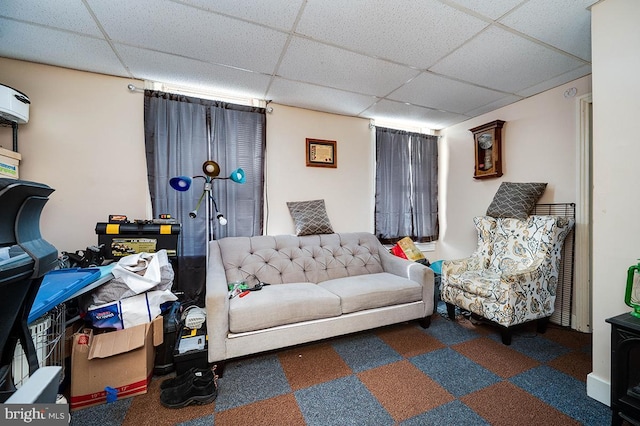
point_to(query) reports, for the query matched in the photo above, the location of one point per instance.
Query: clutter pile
(141, 285)
(134, 327)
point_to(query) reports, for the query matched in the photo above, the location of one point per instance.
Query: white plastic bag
(141, 271)
(131, 311)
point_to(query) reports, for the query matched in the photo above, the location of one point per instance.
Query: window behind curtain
(181, 133)
(406, 186)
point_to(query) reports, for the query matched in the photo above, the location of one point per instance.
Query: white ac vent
(14, 105)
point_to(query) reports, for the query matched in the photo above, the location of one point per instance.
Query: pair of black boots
(196, 386)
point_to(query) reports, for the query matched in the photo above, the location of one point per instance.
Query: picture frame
(321, 153)
(488, 150)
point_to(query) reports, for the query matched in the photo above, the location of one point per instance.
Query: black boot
(198, 391)
(187, 376)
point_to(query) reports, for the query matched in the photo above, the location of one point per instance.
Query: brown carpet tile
(496, 357)
(409, 341)
(281, 410)
(576, 364)
(310, 365)
(506, 404)
(403, 390)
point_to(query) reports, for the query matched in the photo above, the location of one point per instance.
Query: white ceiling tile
(433, 91)
(313, 97)
(61, 48)
(408, 32)
(412, 115)
(163, 68)
(503, 61)
(275, 13)
(565, 24)
(69, 15)
(189, 32)
(507, 100)
(313, 62)
(492, 9)
(557, 81)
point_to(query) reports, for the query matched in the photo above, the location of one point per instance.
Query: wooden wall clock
(488, 149)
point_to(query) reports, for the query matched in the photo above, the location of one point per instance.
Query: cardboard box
(118, 364)
(9, 162)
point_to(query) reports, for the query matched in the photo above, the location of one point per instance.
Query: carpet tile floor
(453, 373)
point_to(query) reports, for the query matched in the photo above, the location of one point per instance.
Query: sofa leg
(451, 311)
(506, 336)
(425, 322)
(541, 324)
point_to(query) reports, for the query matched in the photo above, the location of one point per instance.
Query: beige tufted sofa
(320, 286)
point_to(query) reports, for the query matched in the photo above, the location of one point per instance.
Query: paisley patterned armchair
(512, 276)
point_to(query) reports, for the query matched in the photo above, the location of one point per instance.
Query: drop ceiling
(430, 63)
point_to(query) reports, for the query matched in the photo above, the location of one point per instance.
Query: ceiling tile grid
(434, 62)
(408, 32)
(62, 48)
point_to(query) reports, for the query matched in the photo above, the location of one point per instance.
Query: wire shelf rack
(47, 333)
(564, 293)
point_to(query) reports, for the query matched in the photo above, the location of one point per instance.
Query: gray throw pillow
(310, 217)
(515, 199)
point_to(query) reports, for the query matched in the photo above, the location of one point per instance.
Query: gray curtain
(406, 186)
(181, 133)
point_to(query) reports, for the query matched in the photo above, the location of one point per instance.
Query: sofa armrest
(415, 272)
(217, 304)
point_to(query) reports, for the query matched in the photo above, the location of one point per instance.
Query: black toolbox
(123, 239)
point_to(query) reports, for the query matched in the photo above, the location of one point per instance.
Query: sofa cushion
(281, 304)
(373, 291)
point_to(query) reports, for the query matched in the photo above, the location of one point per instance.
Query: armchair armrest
(217, 304)
(458, 266)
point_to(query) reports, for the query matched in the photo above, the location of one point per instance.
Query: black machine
(25, 257)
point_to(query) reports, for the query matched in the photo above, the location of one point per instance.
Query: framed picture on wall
(321, 153)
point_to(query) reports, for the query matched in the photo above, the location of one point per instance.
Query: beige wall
(616, 228)
(347, 190)
(539, 145)
(85, 139)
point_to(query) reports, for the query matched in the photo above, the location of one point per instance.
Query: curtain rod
(133, 88)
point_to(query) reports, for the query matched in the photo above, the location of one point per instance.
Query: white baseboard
(599, 389)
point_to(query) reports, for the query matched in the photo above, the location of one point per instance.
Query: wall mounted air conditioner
(14, 105)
